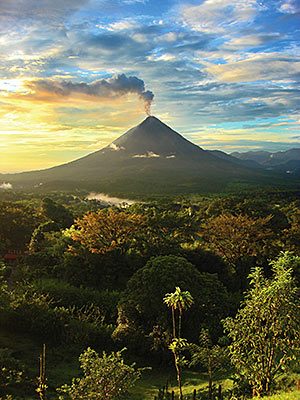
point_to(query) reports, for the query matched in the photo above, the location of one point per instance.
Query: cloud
(162, 57)
(203, 60)
(122, 25)
(290, 7)
(252, 40)
(41, 10)
(103, 52)
(133, 1)
(112, 88)
(263, 66)
(216, 15)
(109, 41)
(115, 147)
(207, 102)
(149, 154)
(6, 186)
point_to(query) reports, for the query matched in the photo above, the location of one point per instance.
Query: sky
(76, 74)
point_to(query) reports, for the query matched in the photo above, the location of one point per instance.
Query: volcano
(150, 158)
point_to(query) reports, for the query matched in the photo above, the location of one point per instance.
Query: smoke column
(147, 97)
(114, 87)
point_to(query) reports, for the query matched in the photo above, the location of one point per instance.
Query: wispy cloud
(149, 154)
(253, 68)
(39, 10)
(289, 7)
(218, 15)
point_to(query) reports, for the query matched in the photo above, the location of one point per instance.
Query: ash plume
(114, 87)
(147, 98)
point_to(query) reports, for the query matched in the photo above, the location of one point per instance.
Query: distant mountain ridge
(240, 161)
(284, 161)
(150, 158)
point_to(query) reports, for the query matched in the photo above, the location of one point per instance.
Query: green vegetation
(104, 378)
(186, 285)
(265, 332)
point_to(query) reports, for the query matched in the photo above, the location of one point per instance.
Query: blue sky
(75, 74)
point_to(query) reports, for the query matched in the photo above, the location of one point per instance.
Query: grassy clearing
(147, 387)
(293, 395)
(152, 381)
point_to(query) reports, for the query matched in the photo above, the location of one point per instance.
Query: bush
(31, 313)
(35, 314)
(104, 378)
(65, 294)
(11, 371)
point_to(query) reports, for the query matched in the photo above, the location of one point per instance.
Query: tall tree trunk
(41, 389)
(209, 380)
(179, 375)
(174, 324)
(179, 324)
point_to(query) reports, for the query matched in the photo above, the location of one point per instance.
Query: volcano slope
(149, 159)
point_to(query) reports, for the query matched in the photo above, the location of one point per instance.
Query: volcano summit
(150, 158)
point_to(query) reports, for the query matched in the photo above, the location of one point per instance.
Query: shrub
(64, 294)
(104, 378)
(11, 371)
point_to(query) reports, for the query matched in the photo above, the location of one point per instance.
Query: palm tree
(178, 301)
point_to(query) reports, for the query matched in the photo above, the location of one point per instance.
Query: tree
(38, 241)
(292, 233)
(104, 378)
(141, 303)
(240, 240)
(230, 235)
(57, 213)
(265, 332)
(17, 222)
(167, 227)
(178, 301)
(107, 230)
(58, 217)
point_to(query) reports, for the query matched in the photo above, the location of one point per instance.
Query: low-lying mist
(6, 186)
(109, 200)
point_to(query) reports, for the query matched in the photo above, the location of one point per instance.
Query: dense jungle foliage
(83, 277)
